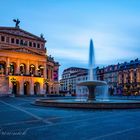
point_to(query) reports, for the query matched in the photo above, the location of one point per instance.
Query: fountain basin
(98, 104)
(92, 83)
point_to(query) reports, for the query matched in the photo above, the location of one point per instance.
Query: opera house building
(25, 67)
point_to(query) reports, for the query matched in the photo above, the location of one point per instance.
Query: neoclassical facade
(25, 69)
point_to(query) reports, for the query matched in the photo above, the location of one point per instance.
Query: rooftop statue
(17, 21)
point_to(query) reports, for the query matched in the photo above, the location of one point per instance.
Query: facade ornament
(41, 36)
(17, 21)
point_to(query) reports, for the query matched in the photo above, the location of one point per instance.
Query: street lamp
(13, 80)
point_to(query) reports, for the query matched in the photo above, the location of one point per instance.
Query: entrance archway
(15, 89)
(36, 88)
(2, 67)
(26, 88)
(47, 88)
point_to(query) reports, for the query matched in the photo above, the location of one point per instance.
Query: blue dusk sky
(68, 26)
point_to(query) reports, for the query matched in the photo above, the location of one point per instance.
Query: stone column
(138, 75)
(7, 66)
(21, 91)
(45, 71)
(131, 76)
(32, 87)
(27, 67)
(18, 67)
(42, 91)
(52, 74)
(36, 68)
(10, 87)
(49, 73)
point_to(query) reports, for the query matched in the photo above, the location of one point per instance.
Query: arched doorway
(47, 88)
(36, 88)
(26, 88)
(16, 87)
(2, 67)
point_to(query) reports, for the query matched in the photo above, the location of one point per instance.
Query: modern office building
(25, 68)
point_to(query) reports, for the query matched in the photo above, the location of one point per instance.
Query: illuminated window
(32, 69)
(12, 68)
(22, 69)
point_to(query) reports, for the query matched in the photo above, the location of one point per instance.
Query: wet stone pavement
(20, 120)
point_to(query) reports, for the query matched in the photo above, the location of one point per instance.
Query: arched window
(12, 68)
(2, 68)
(32, 69)
(22, 69)
(40, 70)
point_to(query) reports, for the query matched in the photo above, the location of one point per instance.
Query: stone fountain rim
(92, 83)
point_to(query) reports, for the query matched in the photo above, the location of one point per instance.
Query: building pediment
(19, 32)
(22, 50)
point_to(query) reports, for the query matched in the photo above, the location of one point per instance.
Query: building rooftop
(74, 69)
(20, 32)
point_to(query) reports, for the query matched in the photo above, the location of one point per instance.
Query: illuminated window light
(32, 66)
(41, 67)
(38, 69)
(22, 65)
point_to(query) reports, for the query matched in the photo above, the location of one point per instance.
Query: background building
(52, 84)
(81, 77)
(24, 65)
(69, 80)
(129, 78)
(110, 75)
(122, 79)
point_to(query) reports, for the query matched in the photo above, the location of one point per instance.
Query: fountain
(92, 102)
(92, 83)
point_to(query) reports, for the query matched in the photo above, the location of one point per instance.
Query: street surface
(20, 120)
